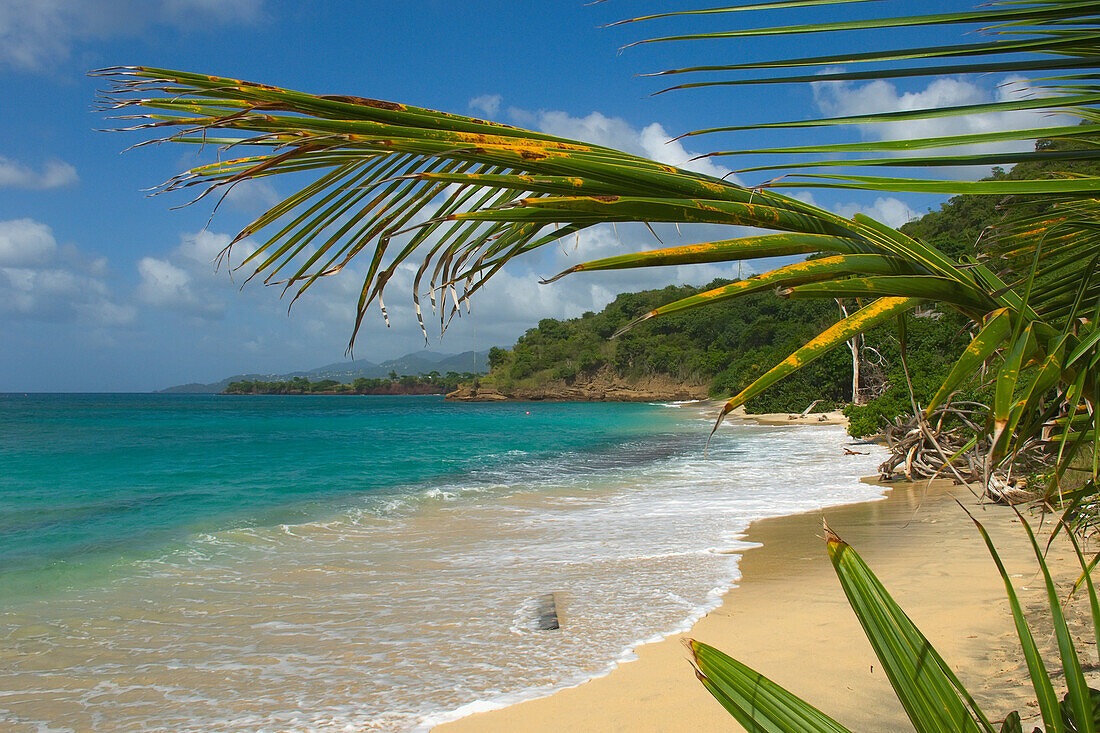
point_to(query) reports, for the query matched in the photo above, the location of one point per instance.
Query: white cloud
(37, 33)
(204, 248)
(43, 281)
(652, 141)
(183, 11)
(163, 284)
(25, 242)
(252, 196)
(488, 104)
(187, 279)
(888, 210)
(847, 99)
(54, 174)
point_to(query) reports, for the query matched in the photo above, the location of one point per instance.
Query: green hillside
(728, 345)
(725, 346)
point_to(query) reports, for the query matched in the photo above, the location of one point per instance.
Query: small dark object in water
(548, 613)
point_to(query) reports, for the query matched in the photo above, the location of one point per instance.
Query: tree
(490, 193)
(485, 193)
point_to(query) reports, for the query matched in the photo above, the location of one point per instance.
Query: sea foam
(406, 608)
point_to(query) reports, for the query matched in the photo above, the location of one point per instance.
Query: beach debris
(547, 610)
(806, 412)
(945, 447)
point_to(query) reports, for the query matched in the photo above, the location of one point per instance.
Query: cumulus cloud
(888, 210)
(36, 33)
(252, 197)
(487, 104)
(165, 285)
(846, 98)
(187, 280)
(54, 174)
(651, 141)
(25, 242)
(42, 280)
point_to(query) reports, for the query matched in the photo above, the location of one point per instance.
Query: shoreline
(787, 617)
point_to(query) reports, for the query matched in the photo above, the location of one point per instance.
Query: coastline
(603, 386)
(375, 611)
(788, 618)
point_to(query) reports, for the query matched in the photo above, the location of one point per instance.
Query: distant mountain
(415, 364)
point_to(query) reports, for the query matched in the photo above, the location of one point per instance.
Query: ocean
(317, 563)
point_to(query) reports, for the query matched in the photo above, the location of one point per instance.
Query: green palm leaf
(1053, 37)
(799, 272)
(997, 326)
(1040, 678)
(475, 193)
(726, 250)
(931, 694)
(756, 702)
(880, 311)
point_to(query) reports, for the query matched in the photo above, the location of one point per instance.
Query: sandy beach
(835, 417)
(788, 618)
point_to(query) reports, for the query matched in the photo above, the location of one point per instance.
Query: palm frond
(394, 184)
(397, 181)
(1054, 39)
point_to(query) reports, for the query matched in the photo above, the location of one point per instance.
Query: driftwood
(934, 448)
(915, 451)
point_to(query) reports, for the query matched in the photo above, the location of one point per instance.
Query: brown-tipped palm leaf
(394, 182)
(1050, 292)
(464, 196)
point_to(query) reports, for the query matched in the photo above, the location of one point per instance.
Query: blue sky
(105, 289)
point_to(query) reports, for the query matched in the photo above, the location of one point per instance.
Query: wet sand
(790, 621)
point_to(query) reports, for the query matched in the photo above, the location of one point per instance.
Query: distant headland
(416, 364)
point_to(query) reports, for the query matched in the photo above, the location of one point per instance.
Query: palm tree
(464, 196)
(933, 697)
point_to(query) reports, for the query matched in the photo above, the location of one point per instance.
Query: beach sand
(788, 619)
(783, 418)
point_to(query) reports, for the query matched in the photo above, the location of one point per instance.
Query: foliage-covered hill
(728, 345)
(725, 346)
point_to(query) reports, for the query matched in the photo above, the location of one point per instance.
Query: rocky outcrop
(476, 393)
(604, 386)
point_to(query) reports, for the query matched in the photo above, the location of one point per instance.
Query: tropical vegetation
(728, 346)
(933, 697)
(434, 383)
(463, 196)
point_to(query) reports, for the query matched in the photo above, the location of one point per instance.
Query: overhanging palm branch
(1047, 330)
(464, 196)
(1053, 43)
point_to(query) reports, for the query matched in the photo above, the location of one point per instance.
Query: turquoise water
(195, 563)
(91, 480)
